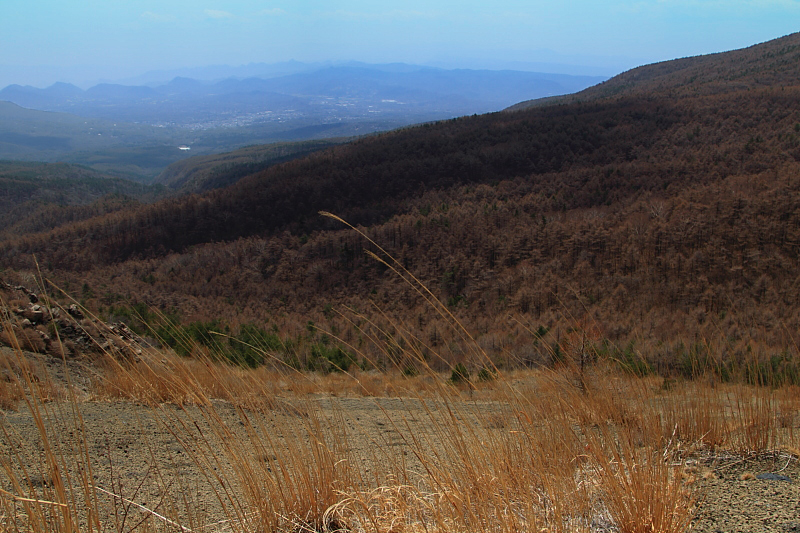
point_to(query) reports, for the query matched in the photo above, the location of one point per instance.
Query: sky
(83, 41)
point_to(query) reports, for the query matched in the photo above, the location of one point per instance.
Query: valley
(134, 131)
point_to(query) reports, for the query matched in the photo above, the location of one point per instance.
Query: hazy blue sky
(82, 40)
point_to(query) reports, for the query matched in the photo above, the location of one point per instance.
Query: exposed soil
(145, 454)
(733, 498)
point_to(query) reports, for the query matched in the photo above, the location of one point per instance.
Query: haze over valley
(218, 115)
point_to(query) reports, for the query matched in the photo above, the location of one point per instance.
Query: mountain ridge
(777, 60)
(479, 90)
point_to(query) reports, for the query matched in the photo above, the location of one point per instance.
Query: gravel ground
(736, 497)
(150, 455)
(140, 453)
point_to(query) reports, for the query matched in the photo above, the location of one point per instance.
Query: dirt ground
(735, 498)
(147, 456)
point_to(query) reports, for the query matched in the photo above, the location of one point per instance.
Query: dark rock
(75, 311)
(33, 298)
(769, 476)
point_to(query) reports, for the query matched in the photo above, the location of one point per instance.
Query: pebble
(769, 476)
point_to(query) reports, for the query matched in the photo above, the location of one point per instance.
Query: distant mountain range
(135, 130)
(334, 93)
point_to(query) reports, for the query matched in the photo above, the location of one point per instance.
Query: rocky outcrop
(28, 323)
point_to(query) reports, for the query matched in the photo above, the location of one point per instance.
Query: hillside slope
(580, 155)
(772, 64)
(36, 197)
(204, 173)
(48, 135)
(665, 218)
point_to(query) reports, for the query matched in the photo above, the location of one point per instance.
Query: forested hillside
(772, 64)
(204, 173)
(36, 197)
(659, 212)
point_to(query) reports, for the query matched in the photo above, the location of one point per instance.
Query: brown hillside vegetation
(771, 64)
(36, 197)
(658, 211)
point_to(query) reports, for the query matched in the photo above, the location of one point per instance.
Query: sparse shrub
(693, 362)
(459, 374)
(633, 363)
(28, 339)
(291, 361)
(11, 393)
(326, 358)
(410, 370)
(487, 373)
(186, 339)
(140, 318)
(248, 347)
(557, 355)
(457, 301)
(779, 370)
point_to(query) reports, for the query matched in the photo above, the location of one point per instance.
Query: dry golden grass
(11, 390)
(641, 489)
(20, 374)
(534, 452)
